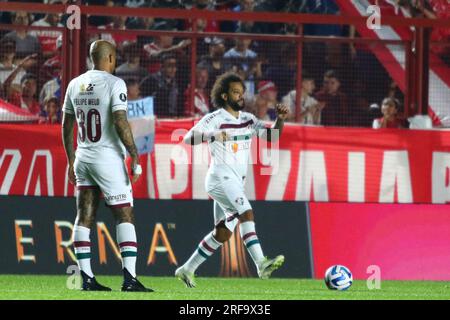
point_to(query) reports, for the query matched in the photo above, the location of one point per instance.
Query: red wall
(408, 242)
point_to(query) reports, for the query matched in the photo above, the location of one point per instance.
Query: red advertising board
(310, 164)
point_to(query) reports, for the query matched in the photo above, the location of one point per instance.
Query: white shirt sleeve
(68, 106)
(119, 99)
(259, 127)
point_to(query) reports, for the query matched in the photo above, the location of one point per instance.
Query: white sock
(248, 235)
(205, 249)
(126, 237)
(82, 246)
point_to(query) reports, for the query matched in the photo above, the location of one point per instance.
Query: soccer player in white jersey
(228, 132)
(97, 101)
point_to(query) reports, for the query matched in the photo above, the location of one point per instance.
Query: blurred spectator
(201, 99)
(51, 113)
(263, 104)
(335, 111)
(51, 88)
(244, 6)
(133, 89)
(163, 87)
(26, 98)
(168, 4)
(283, 68)
(362, 112)
(132, 67)
(203, 25)
(391, 119)
(99, 20)
(52, 67)
(310, 107)
(134, 3)
(394, 92)
(9, 69)
(118, 39)
(48, 39)
(243, 61)
(26, 43)
(323, 7)
(438, 9)
(213, 62)
(162, 45)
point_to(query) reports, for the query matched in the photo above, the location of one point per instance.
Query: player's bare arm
(126, 136)
(67, 135)
(282, 115)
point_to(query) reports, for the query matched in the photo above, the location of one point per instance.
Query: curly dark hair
(221, 86)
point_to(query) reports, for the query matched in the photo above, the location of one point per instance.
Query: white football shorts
(229, 199)
(112, 179)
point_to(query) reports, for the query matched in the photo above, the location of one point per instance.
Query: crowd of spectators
(335, 88)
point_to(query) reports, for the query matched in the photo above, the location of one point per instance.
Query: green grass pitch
(28, 287)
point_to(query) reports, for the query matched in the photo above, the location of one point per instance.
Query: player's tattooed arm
(126, 136)
(68, 122)
(124, 131)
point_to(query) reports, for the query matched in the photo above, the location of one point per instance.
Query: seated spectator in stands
(310, 108)
(132, 67)
(133, 89)
(335, 111)
(10, 74)
(51, 88)
(214, 60)
(263, 104)
(162, 45)
(46, 38)
(163, 87)
(201, 98)
(391, 118)
(51, 112)
(26, 43)
(26, 98)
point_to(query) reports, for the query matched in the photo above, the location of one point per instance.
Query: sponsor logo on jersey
(86, 90)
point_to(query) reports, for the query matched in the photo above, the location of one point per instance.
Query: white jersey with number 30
(93, 97)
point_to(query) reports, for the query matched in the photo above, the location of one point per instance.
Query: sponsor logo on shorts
(239, 201)
(117, 197)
